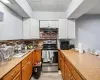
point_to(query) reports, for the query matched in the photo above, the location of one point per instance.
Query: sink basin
(19, 55)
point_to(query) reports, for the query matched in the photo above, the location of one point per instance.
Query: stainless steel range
(49, 56)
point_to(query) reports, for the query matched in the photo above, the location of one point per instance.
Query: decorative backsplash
(48, 33)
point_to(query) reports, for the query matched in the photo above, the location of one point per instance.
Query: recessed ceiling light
(5, 1)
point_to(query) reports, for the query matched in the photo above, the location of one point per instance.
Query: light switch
(1, 16)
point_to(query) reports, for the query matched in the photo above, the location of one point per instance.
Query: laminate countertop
(86, 64)
(4, 69)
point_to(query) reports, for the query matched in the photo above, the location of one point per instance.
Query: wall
(72, 7)
(11, 26)
(25, 6)
(88, 31)
(48, 15)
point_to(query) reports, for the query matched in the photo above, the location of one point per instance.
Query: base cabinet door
(27, 71)
(67, 73)
(62, 68)
(18, 76)
(38, 55)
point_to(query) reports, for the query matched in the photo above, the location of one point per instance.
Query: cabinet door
(34, 57)
(62, 21)
(38, 55)
(18, 76)
(63, 29)
(59, 63)
(12, 73)
(67, 74)
(62, 67)
(26, 28)
(34, 31)
(27, 71)
(44, 24)
(71, 29)
(53, 24)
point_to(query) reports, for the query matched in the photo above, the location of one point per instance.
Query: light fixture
(5, 1)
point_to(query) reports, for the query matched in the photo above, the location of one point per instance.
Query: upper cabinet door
(53, 24)
(71, 29)
(26, 28)
(63, 29)
(62, 22)
(34, 29)
(30, 28)
(44, 24)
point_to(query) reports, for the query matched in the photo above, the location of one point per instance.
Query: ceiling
(95, 9)
(49, 5)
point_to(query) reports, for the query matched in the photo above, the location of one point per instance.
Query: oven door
(50, 66)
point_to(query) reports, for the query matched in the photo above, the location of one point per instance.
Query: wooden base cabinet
(62, 65)
(37, 56)
(59, 65)
(67, 70)
(18, 76)
(27, 69)
(23, 70)
(13, 74)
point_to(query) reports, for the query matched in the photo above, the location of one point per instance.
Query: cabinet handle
(13, 73)
(69, 75)
(72, 78)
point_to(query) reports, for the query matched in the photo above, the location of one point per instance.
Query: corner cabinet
(30, 28)
(66, 29)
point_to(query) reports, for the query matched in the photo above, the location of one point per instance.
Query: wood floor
(49, 76)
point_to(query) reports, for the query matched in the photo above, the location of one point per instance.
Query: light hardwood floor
(49, 76)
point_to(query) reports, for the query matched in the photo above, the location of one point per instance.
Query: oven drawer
(50, 67)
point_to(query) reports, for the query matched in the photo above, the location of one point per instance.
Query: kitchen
(39, 29)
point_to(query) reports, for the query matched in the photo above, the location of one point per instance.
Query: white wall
(88, 31)
(48, 15)
(72, 7)
(25, 6)
(80, 7)
(11, 26)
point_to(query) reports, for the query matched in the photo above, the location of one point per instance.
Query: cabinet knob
(29, 62)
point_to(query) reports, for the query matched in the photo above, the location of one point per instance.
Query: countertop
(12, 63)
(86, 64)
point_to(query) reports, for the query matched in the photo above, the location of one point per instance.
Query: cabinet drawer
(26, 59)
(12, 73)
(18, 76)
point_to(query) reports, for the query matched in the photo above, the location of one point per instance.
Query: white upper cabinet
(34, 29)
(53, 24)
(63, 22)
(71, 29)
(30, 28)
(62, 29)
(66, 29)
(44, 24)
(26, 28)
(48, 24)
